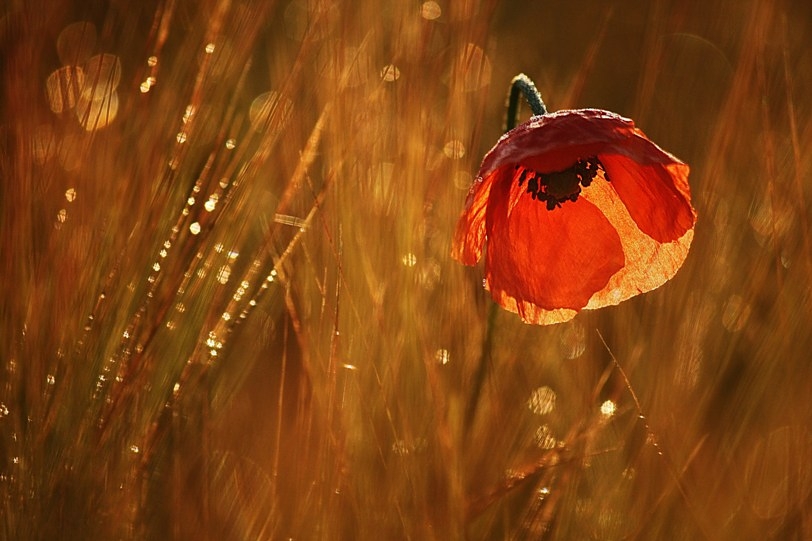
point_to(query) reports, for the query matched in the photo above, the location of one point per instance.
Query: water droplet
(152, 61)
(135, 449)
(409, 260)
(544, 438)
(76, 42)
(608, 408)
(94, 114)
(156, 267)
(270, 111)
(472, 69)
(188, 113)
(573, 340)
(63, 87)
(390, 73)
(462, 180)
(50, 379)
(3, 410)
(209, 48)
(735, 314)
(230, 144)
(430, 11)
(348, 64)
(211, 203)
(181, 137)
(62, 216)
(223, 274)
(43, 143)
(454, 149)
(102, 76)
(194, 228)
(226, 316)
(400, 448)
(70, 195)
(442, 356)
(542, 401)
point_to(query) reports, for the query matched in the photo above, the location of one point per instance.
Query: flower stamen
(560, 186)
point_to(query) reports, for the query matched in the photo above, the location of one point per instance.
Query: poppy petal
(469, 237)
(656, 195)
(649, 263)
(546, 265)
(554, 141)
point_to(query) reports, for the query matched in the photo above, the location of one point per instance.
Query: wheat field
(229, 310)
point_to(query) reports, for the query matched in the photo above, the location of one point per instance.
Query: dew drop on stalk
(542, 401)
(194, 228)
(409, 260)
(735, 314)
(96, 113)
(462, 180)
(211, 202)
(223, 274)
(188, 113)
(270, 111)
(544, 438)
(442, 356)
(390, 73)
(608, 408)
(43, 143)
(573, 340)
(472, 68)
(430, 10)
(454, 149)
(76, 43)
(231, 144)
(63, 87)
(102, 76)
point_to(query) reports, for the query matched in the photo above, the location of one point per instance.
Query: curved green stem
(482, 369)
(522, 83)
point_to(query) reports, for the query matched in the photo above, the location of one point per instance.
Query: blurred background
(228, 308)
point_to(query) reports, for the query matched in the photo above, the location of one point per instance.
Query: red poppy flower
(579, 209)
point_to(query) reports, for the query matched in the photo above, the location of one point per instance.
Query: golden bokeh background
(229, 311)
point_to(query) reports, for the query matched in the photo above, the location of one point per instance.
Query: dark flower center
(560, 186)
